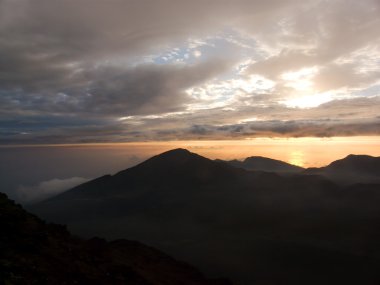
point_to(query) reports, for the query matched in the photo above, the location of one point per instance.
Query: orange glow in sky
(306, 152)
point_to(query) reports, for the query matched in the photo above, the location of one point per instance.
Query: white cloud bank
(47, 189)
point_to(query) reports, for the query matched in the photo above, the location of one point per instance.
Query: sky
(91, 87)
(96, 71)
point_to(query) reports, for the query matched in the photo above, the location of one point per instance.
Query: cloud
(329, 119)
(70, 69)
(145, 89)
(47, 189)
(148, 89)
(49, 46)
(322, 128)
(336, 76)
(339, 39)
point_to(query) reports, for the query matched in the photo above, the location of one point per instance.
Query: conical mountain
(175, 168)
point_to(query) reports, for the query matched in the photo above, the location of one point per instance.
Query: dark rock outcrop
(34, 252)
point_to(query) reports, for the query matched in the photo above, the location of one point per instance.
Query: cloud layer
(87, 71)
(47, 189)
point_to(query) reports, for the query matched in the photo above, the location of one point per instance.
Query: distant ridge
(259, 163)
(351, 169)
(366, 164)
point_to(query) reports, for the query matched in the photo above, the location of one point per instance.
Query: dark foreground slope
(255, 227)
(33, 252)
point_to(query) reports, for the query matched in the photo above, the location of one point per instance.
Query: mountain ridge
(180, 157)
(228, 219)
(179, 162)
(350, 170)
(260, 163)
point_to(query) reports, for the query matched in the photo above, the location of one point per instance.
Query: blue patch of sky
(174, 55)
(240, 48)
(228, 43)
(368, 92)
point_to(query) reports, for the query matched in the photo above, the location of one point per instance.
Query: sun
(304, 94)
(308, 101)
(297, 158)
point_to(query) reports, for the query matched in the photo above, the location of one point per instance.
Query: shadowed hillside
(33, 252)
(255, 227)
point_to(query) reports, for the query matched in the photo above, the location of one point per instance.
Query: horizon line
(205, 141)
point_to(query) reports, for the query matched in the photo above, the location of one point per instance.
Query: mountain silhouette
(351, 169)
(253, 226)
(259, 163)
(33, 252)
